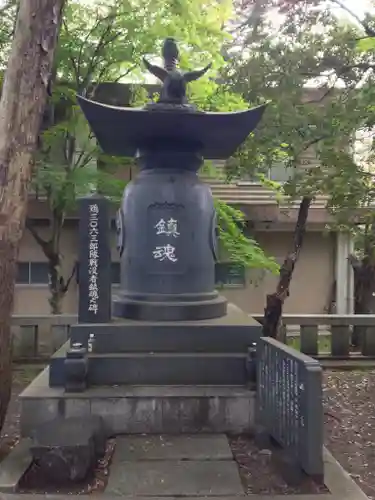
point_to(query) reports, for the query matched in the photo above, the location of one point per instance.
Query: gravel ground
(350, 423)
(22, 376)
(349, 398)
(260, 474)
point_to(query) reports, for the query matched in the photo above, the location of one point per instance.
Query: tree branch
(290, 261)
(99, 20)
(125, 73)
(71, 58)
(69, 150)
(275, 301)
(102, 43)
(103, 72)
(96, 25)
(368, 30)
(44, 244)
(65, 287)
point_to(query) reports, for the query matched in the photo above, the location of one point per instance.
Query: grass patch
(324, 343)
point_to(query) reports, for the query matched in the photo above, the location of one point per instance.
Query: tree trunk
(56, 297)
(22, 104)
(58, 285)
(275, 301)
(364, 286)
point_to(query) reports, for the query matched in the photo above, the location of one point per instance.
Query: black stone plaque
(290, 408)
(166, 240)
(94, 260)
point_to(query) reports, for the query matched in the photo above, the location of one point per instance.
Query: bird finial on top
(174, 81)
(170, 54)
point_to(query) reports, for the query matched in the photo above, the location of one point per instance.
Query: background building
(322, 281)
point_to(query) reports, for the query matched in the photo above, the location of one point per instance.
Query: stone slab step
(164, 447)
(174, 478)
(143, 409)
(233, 333)
(158, 369)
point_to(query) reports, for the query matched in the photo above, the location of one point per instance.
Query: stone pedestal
(129, 352)
(147, 377)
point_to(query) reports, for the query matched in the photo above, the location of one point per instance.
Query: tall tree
(22, 104)
(346, 174)
(309, 66)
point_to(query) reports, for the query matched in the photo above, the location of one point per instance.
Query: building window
(230, 274)
(32, 273)
(279, 172)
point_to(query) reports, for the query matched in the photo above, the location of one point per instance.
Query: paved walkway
(174, 466)
(171, 467)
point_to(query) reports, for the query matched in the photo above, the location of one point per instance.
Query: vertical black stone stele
(94, 260)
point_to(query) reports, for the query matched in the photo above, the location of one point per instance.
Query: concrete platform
(143, 409)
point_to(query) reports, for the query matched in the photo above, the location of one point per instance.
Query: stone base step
(143, 310)
(143, 409)
(234, 332)
(158, 369)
